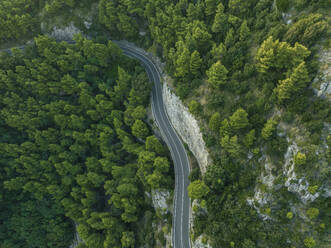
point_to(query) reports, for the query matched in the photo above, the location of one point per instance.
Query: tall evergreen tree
(217, 74)
(195, 63)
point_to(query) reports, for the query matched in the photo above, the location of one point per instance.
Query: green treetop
(269, 129)
(139, 129)
(197, 190)
(195, 63)
(217, 74)
(215, 122)
(239, 119)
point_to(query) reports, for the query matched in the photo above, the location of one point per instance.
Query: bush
(300, 159)
(313, 213)
(309, 242)
(289, 215)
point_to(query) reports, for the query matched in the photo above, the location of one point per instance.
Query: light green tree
(194, 107)
(197, 190)
(292, 87)
(229, 38)
(139, 113)
(225, 128)
(153, 145)
(139, 129)
(215, 122)
(249, 138)
(231, 145)
(217, 74)
(161, 164)
(313, 213)
(309, 242)
(195, 63)
(300, 159)
(243, 31)
(128, 240)
(182, 60)
(289, 215)
(269, 128)
(239, 120)
(219, 24)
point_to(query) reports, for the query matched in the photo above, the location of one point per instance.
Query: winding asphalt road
(180, 231)
(181, 213)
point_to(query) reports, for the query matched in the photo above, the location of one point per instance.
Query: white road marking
(166, 138)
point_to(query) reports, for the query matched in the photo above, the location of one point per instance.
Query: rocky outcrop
(322, 82)
(186, 126)
(182, 120)
(296, 185)
(262, 197)
(198, 243)
(160, 200)
(65, 33)
(77, 239)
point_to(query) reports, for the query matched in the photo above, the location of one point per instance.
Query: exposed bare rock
(322, 82)
(160, 199)
(65, 33)
(198, 243)
(186, 126)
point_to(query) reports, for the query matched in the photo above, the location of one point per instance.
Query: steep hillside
(246, 70)
(255, 74)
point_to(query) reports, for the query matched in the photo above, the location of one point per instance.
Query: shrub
(289, 215)
(300, 158)
(309, 242)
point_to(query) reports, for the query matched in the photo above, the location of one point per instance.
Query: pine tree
(219, 23)
(239, 119)
(215, 122)
(197, 189)
(182, 60)
(217, 74)
(243, 31)
(294, 85)
(229, 38)
(139, 129)
(265, 55)
(195, 63)
(269, 129)
(210, 7)
(218, 52)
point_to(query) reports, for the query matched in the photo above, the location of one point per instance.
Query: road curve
(180, 231)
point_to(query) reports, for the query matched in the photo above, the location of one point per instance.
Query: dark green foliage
(154, 145)
(236, 58)
(67, 151)
(283, 5)
(18, 19)
(255, 72)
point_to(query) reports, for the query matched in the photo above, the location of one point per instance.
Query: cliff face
(322, 82)
(186, 126)
(182, 120)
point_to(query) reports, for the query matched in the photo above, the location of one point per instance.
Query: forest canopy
(76, 149)
(69, 115)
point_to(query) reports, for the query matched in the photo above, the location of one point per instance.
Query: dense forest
(244, 69)
(76, 148)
